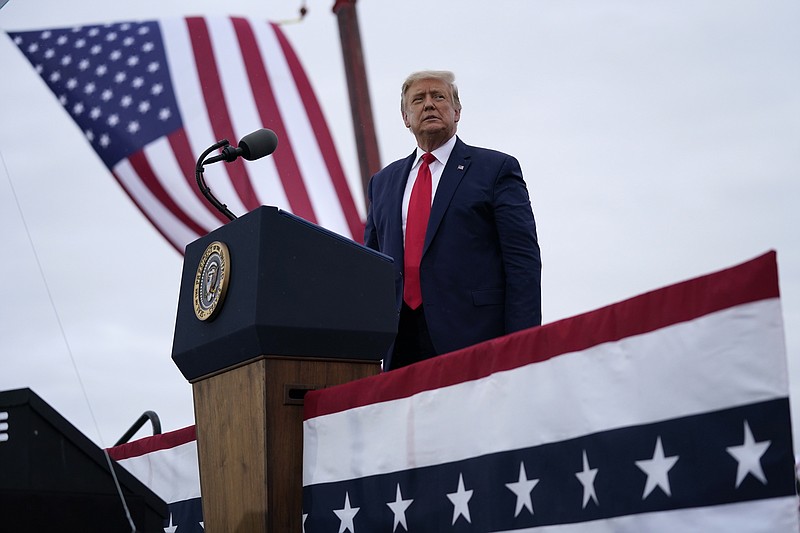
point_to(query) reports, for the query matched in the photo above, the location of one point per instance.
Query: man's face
(429, 110)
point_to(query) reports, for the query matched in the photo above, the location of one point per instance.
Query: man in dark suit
(458, 222)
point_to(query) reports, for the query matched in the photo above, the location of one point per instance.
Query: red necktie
(419, 210)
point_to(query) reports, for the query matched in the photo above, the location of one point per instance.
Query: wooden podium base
(249, 423)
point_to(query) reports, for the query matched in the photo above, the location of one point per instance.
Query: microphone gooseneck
(252, 146)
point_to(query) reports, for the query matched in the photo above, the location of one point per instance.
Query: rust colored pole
(360, 105)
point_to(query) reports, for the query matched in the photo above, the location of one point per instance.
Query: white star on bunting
(657, 470)
(748, 455)
(346, 515)
(170, 528)
(522, 490)
(398, 507)
(586, 477)
(460, 501)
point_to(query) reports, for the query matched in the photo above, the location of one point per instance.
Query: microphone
(253, 146)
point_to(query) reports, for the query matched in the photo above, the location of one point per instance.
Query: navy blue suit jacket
(480, 272)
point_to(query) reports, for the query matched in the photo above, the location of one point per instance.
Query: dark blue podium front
(295, 289)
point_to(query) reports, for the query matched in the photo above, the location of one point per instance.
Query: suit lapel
(398, 185)
(455, 170)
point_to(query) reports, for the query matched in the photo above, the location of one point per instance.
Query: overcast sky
(660, 141)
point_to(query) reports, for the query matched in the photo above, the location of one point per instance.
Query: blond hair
(445, 76)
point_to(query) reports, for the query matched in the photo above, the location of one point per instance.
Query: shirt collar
(442, 153)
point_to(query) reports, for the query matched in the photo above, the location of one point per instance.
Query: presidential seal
(211, 280)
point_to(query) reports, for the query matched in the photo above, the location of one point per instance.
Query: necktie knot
(428, 158)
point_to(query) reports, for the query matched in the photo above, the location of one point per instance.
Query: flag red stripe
(324, 138)
(214, 97)
(178, 246)
(284, 157)
(143, 169)
(749, 282)
(179, 143)
(151, 444)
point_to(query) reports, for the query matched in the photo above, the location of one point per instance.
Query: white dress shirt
(442, 154)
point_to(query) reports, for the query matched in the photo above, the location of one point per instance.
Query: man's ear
(405, 119)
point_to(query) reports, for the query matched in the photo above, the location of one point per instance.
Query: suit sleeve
(516, 229)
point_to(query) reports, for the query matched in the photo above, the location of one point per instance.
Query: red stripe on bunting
(146, 445)
(749, 282)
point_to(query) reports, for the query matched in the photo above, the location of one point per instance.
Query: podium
(271, 307)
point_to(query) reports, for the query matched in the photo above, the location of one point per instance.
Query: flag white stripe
(267, 183)
(189, 94)
(174, 229)
(725, 359)
(243, 110)
(314, 172)
(172, 473)
(163, 162)
(759, 516)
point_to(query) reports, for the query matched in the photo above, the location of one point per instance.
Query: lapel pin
(460, 167)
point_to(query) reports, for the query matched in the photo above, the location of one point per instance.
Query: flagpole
(360, 106)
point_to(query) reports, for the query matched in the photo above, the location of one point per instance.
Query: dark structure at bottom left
(53, 478)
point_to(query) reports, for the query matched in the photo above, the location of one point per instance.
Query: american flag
(151, 96)
(666, 412)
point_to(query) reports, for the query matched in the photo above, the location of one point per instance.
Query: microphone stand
(198, 173)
